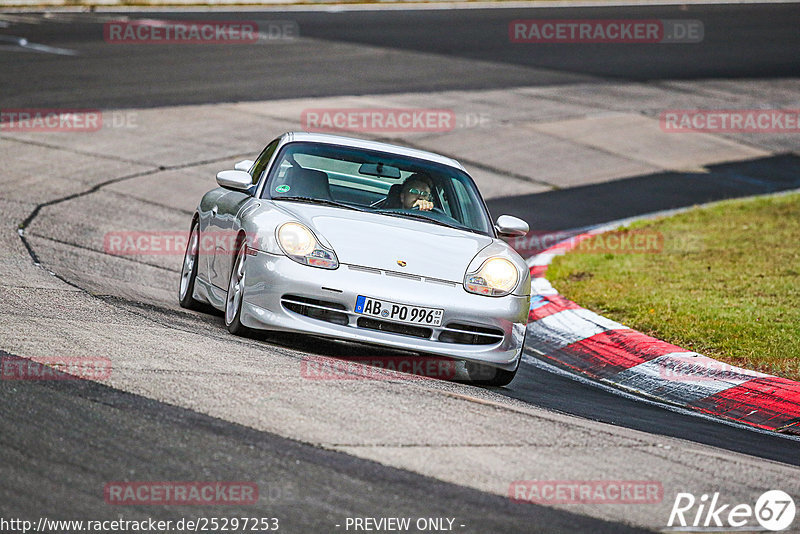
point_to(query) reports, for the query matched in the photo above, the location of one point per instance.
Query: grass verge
(724, 281)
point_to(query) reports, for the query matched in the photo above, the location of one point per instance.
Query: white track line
(26, 45)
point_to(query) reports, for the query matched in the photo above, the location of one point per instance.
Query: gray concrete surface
(126, 308)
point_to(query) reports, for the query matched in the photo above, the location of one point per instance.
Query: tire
(235, 295)
(485, 375)
(189, 271)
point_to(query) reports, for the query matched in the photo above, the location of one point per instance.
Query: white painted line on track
(545, 258)
(26, 45)
(570, 326)
(542, 286)
(684, 377)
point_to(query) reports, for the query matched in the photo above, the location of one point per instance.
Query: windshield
(378, 182)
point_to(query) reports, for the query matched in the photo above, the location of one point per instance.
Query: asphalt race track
(187, 401)
(741, 41)
(305, 487)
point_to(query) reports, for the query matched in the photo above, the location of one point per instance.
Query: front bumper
(273, 282)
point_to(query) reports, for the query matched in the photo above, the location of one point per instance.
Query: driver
(416, 192)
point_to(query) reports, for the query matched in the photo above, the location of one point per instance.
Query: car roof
(370, 145)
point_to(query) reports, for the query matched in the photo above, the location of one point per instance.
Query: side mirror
(236, 180)
(244, 165)
(509, 226)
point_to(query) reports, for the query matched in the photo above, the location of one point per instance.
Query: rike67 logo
(774, 510)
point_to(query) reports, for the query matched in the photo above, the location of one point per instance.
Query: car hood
(383, 241)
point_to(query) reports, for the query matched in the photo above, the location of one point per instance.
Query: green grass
(726, 283)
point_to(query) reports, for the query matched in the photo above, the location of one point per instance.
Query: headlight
(296, 239)
(301, 245)
(495, 278)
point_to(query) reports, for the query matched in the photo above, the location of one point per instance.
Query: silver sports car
(362, 241)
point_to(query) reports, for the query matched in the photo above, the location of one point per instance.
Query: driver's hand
(423, 205)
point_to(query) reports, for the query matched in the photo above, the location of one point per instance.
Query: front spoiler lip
(358, 315)
(271, 278)
(288, 321)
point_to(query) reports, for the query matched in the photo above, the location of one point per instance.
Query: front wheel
(189, 271)
(235, 298)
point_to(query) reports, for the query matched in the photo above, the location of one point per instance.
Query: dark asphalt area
(61, 441)
(740, 41)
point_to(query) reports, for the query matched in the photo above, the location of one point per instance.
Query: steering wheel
(436, 209)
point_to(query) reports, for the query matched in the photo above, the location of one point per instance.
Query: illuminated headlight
(301, 245)
(495, 278)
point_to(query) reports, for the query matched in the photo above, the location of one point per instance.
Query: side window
(444, 201)
(263, 159)
(463, 199)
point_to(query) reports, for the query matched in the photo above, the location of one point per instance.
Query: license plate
(401, 313)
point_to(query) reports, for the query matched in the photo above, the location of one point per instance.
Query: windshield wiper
(422, 217)
(322, 201)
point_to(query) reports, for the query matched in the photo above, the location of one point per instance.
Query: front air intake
(394, 328)
(467, 334)
(321, 310)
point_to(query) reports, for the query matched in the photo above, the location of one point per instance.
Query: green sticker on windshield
(282, 188)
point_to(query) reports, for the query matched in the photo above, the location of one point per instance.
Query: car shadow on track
(333, 359)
